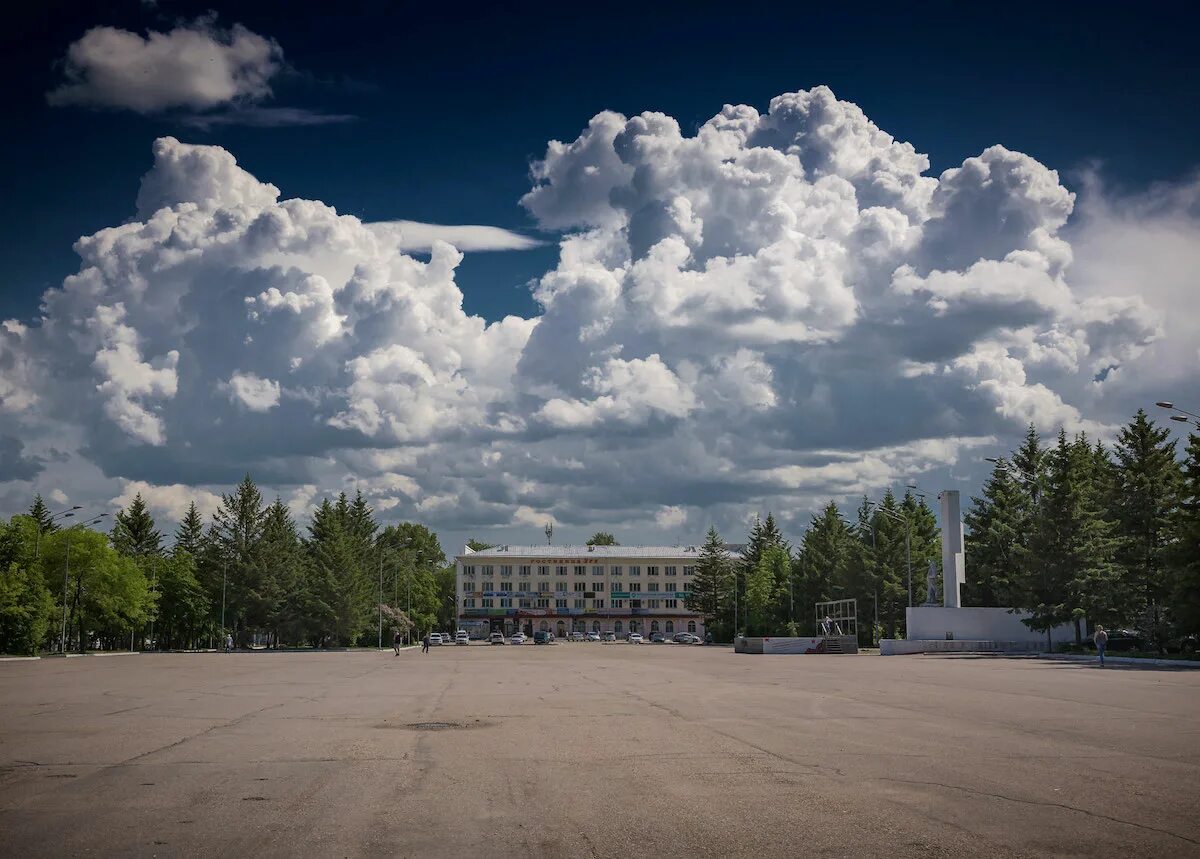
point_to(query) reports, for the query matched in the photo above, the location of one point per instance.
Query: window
(618, 603)
(598, 586)
(487, 570)
(618, 627)
(468, 571)
(469, 602)
(653, 586)
(670, 626)
(506, 602)
(635, 587)
(635, 571)
(654, 626)
(544, 587)
(487, 602)
(560, 571)
(505, 571)
(579, 603)
(543, 602)
(468, 587)
(488, 586)
(580, 570)
(652, 603)
(635, 603)
(580, 587)
(595, 626)
(691, 626)
(524, 602)
(689, 571)
(560, 603)
(616, 571)
(524, 571)
(652, 571)
(597, 603)
(671, 603)
(670, 571)
(523, 586)
(543, 571)
(598, 571)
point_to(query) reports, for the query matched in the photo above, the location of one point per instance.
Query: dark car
(542, 637)
(1125, 639)
(657, 638)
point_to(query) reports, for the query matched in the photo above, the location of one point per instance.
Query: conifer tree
(190, 533)
(1147, 481)
(712, 582)
(42, 516)
(133, 532)
(828, 552)
(1184, 556)
(996, 524)
(236, 533)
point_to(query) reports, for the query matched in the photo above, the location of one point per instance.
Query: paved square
(595, 750)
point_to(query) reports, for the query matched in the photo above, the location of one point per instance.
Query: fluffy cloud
(779, 308)
(196, 66)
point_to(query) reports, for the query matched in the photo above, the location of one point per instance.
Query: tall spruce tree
(1147, 481)
(711, 584)
(1184, 556)
(824, 563)
(42, 516)
(996, 525)
(190, 533)
(236, 534)
(133, 532)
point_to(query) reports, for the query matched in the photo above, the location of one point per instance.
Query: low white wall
(786, 644)
(978, 624)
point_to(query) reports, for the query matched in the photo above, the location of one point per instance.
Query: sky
(645, 271)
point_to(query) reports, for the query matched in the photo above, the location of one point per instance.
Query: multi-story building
(564, 589)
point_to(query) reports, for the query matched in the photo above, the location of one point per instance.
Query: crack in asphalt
(1045, 804)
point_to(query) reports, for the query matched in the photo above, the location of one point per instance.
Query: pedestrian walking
(1101, 639)
(425, 643)
(228, 643)
(396, 643)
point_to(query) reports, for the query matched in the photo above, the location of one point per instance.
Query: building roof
(569, 552)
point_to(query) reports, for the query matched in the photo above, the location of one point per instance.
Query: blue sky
(413, 113)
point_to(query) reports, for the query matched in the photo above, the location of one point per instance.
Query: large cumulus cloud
(777, 308)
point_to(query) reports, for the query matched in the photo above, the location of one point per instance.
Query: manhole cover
(433, 726)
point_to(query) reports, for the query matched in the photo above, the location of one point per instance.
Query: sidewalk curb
(18, 658)
(1123, 660)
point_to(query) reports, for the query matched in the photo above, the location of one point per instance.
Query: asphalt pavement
(595, 750)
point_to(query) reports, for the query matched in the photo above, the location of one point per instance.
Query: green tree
(235, 535)
(477, 545)
(281, 561)
(1147, 483)
(42, 516)
(824, 565)
(26, 606)
(602, 538)
(1184, 556)
(710, 589)
(190, 534)
(762, 591)
(996, 528)
(182, 606)
(133, 531)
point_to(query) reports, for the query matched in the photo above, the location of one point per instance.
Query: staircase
(833, 645)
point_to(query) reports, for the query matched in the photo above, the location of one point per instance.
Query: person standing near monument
(1101, 639)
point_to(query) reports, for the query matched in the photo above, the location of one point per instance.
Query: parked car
(1126, 639)
(461, 637)
(577, 636)
(496, 638)
(543, 637)
(435, 639)
(593, 636)
(610, 636)
(684, 638)
(1185, 644)
(657, 638)
(634, 638)
(518, 638)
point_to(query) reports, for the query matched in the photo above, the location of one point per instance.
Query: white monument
(954, 572)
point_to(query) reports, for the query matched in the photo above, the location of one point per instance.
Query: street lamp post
(224, 579)
(37, 540)
(66, 576)
(381, 596)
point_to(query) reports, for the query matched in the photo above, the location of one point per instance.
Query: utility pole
(66, 575)
(381, 597)
(224, 579)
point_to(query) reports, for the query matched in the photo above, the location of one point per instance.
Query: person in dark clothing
(425, 644)
(396, 643)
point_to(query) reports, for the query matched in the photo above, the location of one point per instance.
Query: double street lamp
(37, 541)
(1183, 416)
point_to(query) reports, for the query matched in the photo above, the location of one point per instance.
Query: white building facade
(565, 589)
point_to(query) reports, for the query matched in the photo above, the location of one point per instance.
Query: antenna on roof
(549, 532)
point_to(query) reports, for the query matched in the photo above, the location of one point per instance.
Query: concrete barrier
(901, 647)
(826, 644)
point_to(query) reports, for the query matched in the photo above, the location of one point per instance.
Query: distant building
(564, 589)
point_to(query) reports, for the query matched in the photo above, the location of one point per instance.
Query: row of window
(578, 587)
(544, 602)
(506, 570)
(618, 627)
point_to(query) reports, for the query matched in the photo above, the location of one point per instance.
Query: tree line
(1068, 532)
(249, 572)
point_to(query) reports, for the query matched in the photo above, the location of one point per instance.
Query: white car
(635, 638)
(576, 636)
(518, 638)
(593, 636)
(435, 639)
(461, 637)
(496, 638)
